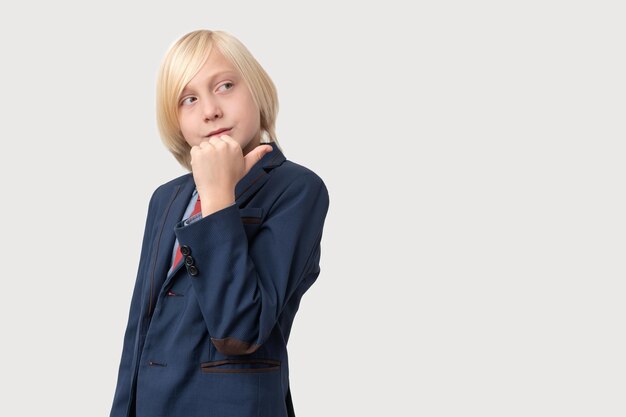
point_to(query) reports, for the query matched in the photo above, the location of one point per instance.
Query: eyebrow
(212, 77)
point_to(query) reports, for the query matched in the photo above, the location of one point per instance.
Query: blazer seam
(169, 206)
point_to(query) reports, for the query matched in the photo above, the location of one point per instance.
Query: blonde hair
(181, 63)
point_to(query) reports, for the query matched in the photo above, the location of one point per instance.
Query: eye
(183, 101)
(227, 83)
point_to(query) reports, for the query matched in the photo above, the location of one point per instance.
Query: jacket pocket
(240, 365)
(251, 215)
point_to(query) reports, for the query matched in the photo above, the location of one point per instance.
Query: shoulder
(290, 174)
(162, 194)
(294, 182)
(166, 189)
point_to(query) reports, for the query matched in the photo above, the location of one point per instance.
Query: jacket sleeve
(242, 287)
(124, 372)
(196, 217)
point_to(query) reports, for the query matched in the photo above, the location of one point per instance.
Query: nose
(211, 109)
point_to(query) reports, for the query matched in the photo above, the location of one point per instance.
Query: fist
(218, 165)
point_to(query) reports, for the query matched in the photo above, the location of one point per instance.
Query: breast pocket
(251, 218)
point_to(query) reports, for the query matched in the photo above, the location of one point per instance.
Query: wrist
(211, 203)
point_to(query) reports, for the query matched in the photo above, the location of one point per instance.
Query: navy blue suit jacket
(210, 338)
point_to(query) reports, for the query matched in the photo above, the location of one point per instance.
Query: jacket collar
(258, 174)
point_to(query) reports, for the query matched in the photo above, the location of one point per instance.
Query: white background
(473, 254)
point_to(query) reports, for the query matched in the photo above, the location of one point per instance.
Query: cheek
(184, 124)
(252, 111)
(254, 116)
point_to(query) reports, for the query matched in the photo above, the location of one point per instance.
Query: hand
(218, 165)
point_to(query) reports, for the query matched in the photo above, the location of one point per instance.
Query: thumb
(255, 156)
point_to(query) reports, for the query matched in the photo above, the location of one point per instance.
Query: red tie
(179, 255)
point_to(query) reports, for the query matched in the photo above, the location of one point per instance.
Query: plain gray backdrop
(473, 254)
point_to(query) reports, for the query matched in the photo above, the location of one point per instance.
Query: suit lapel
(165, 238)
(258, 174)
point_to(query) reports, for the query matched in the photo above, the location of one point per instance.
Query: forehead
(215, 65)
(207, 76)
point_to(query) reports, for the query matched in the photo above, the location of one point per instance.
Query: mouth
(218, 132)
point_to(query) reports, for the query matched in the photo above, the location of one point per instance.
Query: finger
(231, 142)
(227, 138)
(256, 155)
(211, 143)
(217, 141)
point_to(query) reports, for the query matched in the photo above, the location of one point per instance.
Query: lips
(218, 132)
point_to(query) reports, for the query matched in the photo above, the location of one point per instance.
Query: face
(218, 98)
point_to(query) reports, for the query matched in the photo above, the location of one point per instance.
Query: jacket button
(188, 260)
(185, 250)
(193, 270)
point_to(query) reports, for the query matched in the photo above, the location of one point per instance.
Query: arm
(242, 287)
